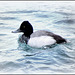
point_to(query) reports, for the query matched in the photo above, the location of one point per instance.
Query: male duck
(39, 38)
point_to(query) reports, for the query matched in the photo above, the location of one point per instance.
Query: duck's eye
(23, 26)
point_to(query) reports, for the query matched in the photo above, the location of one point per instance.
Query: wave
(7, 18)
(21, 11)
(67, 21)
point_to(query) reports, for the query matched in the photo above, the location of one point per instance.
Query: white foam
(41, 41)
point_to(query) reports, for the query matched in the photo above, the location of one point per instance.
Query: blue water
(19, 58)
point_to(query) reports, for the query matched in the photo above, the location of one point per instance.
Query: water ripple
(2, 23)
(22, 11)
(7, 18)
(3, 34)
(67, 21)
(63, 13)
(42, 16)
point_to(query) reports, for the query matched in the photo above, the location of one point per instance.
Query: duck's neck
(25, 38)
(28, 32)
(26, 35)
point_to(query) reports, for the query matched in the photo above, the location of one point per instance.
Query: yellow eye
(23, 26)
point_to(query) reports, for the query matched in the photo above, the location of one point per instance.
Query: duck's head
(26, 28)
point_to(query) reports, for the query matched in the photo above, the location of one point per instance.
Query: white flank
(41, 41)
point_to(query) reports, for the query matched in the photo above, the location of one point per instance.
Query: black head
(26, 28)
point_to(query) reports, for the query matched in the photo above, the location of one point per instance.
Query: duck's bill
(17, 31)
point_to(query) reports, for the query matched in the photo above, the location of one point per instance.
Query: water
(19, 58)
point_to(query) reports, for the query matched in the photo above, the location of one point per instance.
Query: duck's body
(39, 38)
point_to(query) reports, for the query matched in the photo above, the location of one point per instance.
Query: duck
(38, 38)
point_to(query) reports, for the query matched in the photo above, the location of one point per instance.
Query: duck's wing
(39, 33)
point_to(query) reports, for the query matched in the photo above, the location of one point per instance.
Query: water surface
(19, 58)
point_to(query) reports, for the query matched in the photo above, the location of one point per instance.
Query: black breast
(23, 39)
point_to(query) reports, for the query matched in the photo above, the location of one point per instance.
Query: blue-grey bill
(16, 31)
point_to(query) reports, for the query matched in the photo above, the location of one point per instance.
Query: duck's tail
(59, 39)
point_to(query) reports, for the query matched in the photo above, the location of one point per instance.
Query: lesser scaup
(39, 38)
